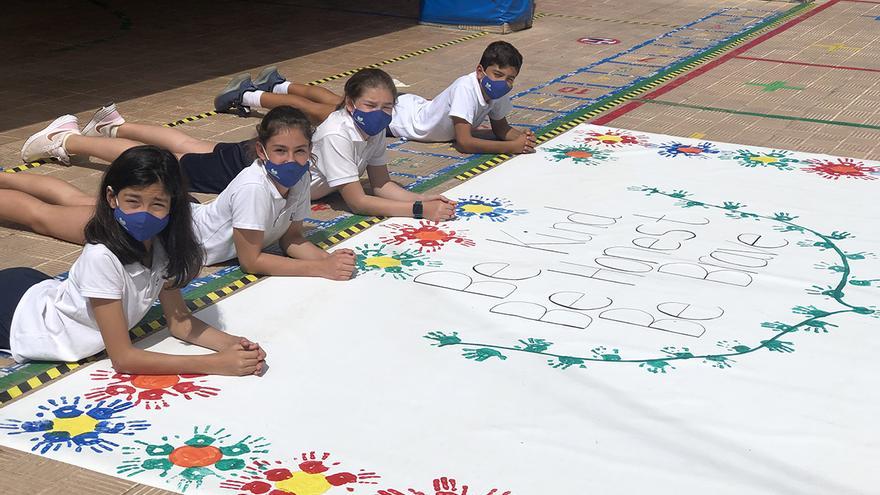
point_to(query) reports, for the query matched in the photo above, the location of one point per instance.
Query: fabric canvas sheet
(618, 313)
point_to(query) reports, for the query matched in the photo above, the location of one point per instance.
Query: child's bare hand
(524, 143)
(438, 210)
(339, 265)
(253, 346)
(437, 197)
(235, 360)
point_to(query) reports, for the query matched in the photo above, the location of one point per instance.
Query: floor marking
(808, 64)
(759, 114)
(836, 46)
(611, 116)
(774, 86)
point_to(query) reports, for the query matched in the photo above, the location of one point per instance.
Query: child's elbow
(123, 363)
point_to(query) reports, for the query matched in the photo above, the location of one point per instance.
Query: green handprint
(534, 345)
(683, 353)
(601, 352)
(656, 366)
(837, 235)
(443, 339)
(818, 326)
(565, 362)
(719, 362)
(778, 345)
(810, 310)
(482, 354)
(783, 217)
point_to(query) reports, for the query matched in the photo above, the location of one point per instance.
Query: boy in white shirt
(461, 107)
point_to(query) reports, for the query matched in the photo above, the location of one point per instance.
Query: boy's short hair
(502, 54)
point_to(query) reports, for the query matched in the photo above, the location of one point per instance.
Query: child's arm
(238, 357)
(338, 265)
(513, 141)
(249, 248)
(391, 200)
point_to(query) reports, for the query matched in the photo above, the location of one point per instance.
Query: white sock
(281, 88)
(251, 99)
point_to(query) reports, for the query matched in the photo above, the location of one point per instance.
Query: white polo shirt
(419, 119)
(54, 320)
(251, 202)
(343, 153)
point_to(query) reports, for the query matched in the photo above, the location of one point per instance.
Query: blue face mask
(287, 174)
(495, 88)
(142, 225)
(371, 123)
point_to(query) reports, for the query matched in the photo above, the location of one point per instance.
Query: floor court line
(611, 116)
(808, 64)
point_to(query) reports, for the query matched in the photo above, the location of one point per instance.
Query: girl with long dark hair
(139, 245)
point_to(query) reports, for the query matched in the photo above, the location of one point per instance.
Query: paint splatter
(480, 207)
(378, 258)
(314, 474)
(207, 453)
(612, 139)
(843, 167)
(320, 207)
(778, 159)
(63, 423)
(442, 486)
(428, 235)
(580, 154)
(676, 149)
(153, 391)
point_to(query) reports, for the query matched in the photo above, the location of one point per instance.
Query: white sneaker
(104, 122)
(49, 143)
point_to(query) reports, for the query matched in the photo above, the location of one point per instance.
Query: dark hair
(281, 119)
(365, 79)
(138, 167)
(502, 54)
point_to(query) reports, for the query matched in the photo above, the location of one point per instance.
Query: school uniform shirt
(343, 153)
(251, 202)
(430, 120)
(54, 320)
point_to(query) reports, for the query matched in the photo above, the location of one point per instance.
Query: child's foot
(49, 143)
(268, 78)
(230, 97)
(104, 122)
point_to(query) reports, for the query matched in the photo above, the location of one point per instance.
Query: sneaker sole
(264, 74)
(36, 136)
(232, 85)
(91, 128)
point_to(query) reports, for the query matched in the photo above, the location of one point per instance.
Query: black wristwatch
(418, 210)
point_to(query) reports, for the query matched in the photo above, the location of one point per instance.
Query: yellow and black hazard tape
(191, 118)
(398, 58)
(602, 19)
(548, 135)
(136, 333)
(348, 232)
(25, 166)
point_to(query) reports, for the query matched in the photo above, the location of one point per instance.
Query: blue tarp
(481, 13)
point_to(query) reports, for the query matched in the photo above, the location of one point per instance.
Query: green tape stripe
(759, 114)
(584, 115)
(602, 19)
(139, 332)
